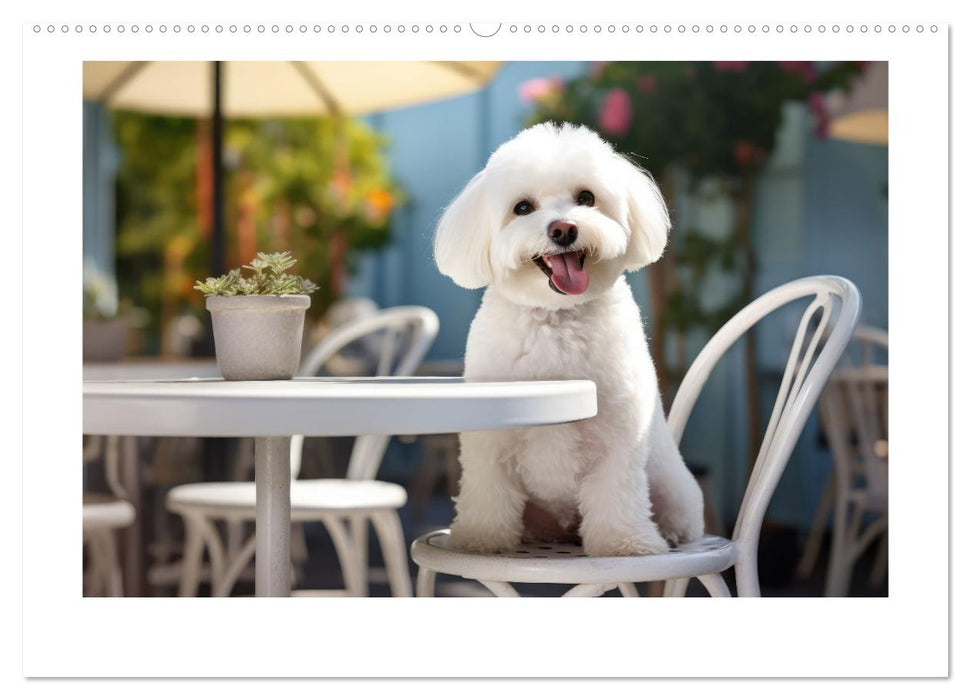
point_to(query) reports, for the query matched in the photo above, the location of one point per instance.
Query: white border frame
(903, 635)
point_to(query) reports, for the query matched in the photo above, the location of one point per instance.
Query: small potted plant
(257, 320)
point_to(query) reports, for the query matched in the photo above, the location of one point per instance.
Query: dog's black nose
(562, 232)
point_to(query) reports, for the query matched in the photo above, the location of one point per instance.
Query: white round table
(273, 411)
(151, 368)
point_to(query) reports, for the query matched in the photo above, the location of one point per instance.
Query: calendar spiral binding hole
(519, 29)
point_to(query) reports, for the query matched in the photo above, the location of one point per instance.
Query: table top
(151, 368)
(330, 406)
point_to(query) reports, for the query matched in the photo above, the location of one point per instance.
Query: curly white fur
(610, 470)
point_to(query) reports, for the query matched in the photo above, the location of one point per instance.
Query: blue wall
(99, 164)
(821, 208)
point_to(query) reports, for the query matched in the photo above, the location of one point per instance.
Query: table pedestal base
(273, 516)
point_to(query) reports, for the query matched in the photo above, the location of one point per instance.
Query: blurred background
(772, 170)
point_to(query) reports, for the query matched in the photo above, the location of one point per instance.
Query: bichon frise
(550, 226)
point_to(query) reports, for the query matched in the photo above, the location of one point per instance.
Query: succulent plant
(269, 277)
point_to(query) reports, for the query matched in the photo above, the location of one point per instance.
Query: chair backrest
(869, 338)
(809, 366)
(854, 412)
(407, 334)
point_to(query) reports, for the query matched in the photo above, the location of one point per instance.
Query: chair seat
(567, 563)
(308, 497)
(106, 512)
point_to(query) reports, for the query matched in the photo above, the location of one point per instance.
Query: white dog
(550, 225)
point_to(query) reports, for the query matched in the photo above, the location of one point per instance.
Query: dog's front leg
(616, 508)
(489, 507)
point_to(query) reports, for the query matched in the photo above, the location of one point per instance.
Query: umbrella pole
(216, 450)
(218, 193)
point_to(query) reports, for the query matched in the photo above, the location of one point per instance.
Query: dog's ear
(463, 236)
(647, 216)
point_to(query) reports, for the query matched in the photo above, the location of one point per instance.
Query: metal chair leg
(501, 589)
(234, 567)
(425, 585)
(813, 544)
(112, 567)
(392, 541)
(191, 559)
(359, 536)
(837, 575)
(589, 590)
(354, 571)
(675, 588)
(217, 557)
(715, 585)
(879, 571)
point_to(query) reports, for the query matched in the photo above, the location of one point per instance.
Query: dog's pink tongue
(567, 275)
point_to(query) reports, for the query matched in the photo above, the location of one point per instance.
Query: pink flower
(646, 83)
(817, 105)
(731, 66)
(616, 113)
(538, 89)
(805, 69)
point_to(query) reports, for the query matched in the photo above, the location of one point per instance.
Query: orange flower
(379, 202)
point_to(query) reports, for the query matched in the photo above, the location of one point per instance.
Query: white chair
(853, 412)
(102, 516)
(835, 303)
(344, 506)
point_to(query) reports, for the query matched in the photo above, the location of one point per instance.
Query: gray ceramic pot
(259, 336)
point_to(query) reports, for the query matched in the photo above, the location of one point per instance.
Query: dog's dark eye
(523, 208)
(585, 198)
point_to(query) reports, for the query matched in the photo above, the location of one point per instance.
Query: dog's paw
(482, 540)
(648, 542)
(682, 535)
(679, 527)
(680, 515)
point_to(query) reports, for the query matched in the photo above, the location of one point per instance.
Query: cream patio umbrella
(264, 89)
(862, 115)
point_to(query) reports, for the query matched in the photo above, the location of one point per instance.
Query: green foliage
(159, 244)
(269, 277)
(318, 187)
(328, 179)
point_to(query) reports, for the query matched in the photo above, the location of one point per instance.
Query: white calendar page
(904, 635)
